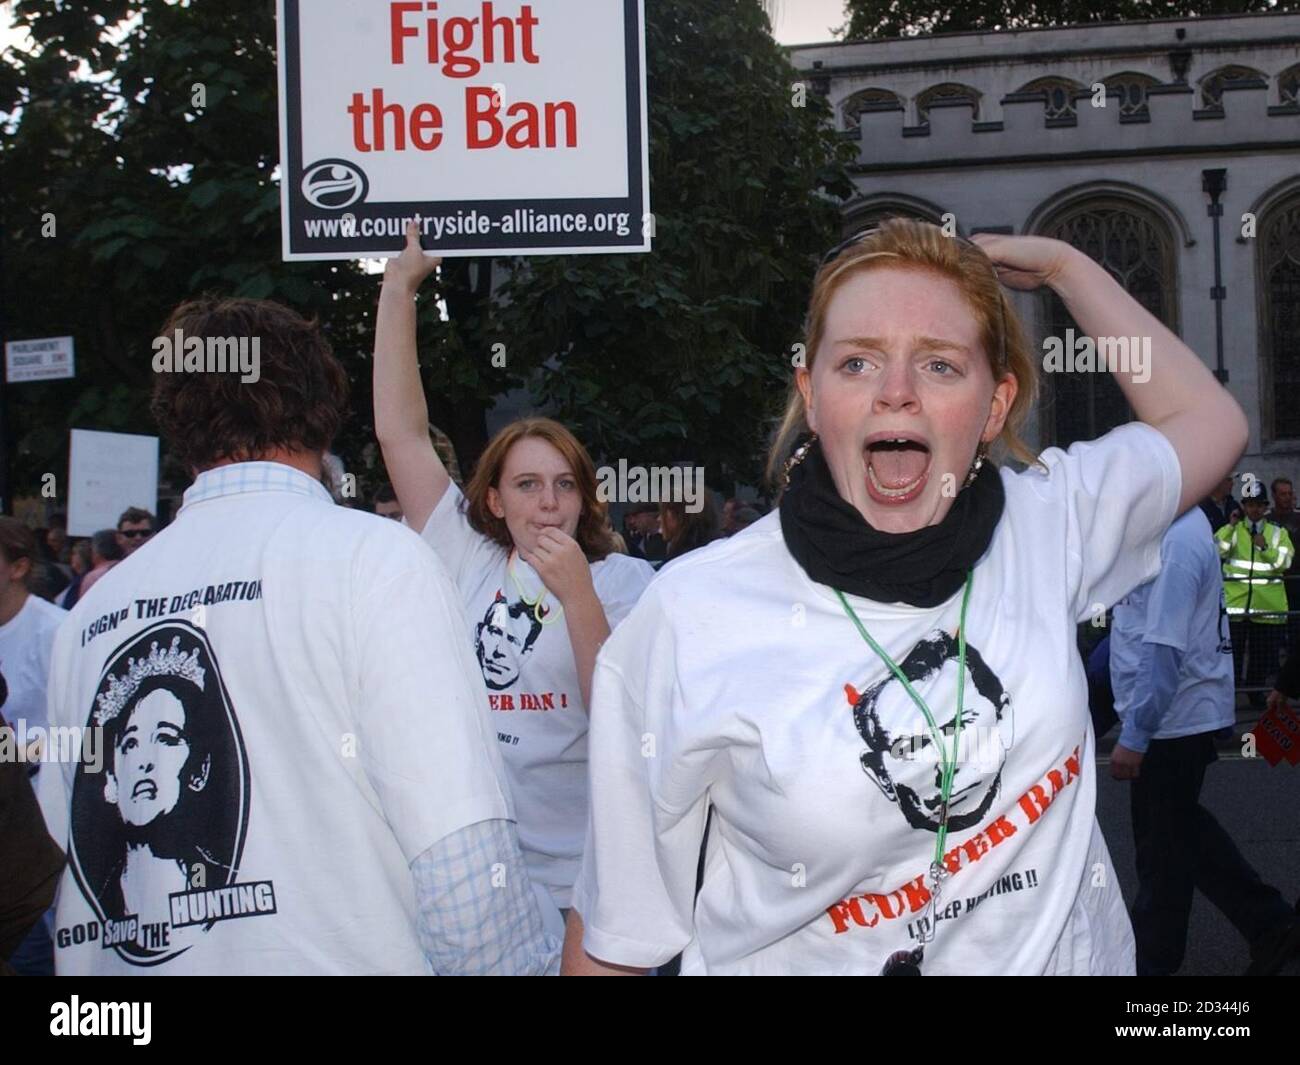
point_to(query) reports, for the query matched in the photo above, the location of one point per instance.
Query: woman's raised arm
(1173, 391)
(401, 414)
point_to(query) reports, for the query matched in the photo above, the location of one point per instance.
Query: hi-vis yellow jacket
(1252, 576)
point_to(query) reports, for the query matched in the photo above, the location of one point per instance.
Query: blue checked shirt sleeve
(478, 915)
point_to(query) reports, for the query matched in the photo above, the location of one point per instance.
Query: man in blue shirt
(1171, 669)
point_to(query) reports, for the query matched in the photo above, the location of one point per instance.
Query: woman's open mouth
(897, 469)
(146, 789)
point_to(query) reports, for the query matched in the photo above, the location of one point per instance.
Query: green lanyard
(949, 763)
(550, 616)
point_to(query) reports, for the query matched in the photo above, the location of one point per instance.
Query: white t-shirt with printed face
(1183, 608)
(739, 682)
(532, 681)
(289, 716)
(25, 645)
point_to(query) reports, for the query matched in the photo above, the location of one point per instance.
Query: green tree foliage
(685, 353)
(876, 19)
(145, 131)
(148, 132)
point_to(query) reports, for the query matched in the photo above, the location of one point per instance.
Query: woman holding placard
(530, 548)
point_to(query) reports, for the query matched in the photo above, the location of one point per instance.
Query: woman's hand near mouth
(564, 569)
(559, 561)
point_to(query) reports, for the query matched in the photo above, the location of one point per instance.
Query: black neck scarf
(835, 545)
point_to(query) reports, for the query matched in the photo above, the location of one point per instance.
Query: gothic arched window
(867, 100)
(1279, 284)
(946, 91)
(1132, 89)
(1212, 85)
(1058, 93)
(1288, 86)
(1136, 247)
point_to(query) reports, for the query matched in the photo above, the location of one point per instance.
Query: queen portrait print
(901, 757)
(167, 815)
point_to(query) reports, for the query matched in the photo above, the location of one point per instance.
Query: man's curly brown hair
(297, 402)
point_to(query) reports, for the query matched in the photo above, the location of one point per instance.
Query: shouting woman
(876, 689)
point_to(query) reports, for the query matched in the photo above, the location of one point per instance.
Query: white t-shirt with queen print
(739, 682)
(278, 720)
(532, 683)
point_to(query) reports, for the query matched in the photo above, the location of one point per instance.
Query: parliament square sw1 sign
(507, 128)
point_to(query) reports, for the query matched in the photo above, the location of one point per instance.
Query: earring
(981, 453)
(800, 453)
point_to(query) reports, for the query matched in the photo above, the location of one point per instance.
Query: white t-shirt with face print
(532, 682)
(281, 717)
(739, 682)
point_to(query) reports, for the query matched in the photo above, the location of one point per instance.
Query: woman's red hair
(593, 534)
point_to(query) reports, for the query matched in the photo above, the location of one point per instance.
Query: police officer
(1255, 554)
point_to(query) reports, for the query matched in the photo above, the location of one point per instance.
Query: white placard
(108, 472)
(509, 128)
(41, 359)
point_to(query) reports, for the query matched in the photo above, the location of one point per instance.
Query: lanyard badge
(908, 962)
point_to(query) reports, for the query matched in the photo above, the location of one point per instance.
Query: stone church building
(1168, 150)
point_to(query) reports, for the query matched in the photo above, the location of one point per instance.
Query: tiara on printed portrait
(170, 663)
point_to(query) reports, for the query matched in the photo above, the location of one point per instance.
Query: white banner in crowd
(510, 128)
(108, 472)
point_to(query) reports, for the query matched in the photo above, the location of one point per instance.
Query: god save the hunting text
(460, 47)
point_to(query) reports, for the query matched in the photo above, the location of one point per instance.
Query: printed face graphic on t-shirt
(150, 753)
(902, 758)
(156, 839)
(506, 634)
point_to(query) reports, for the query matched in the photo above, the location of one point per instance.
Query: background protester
(1286, 685)
(56, 539)
(1284, 513)
(32, 862)
(744, 517)
(80, 562)
(684, 531)
(810, 684)
(644, 538)
(1255, 554)
(105, 553)
(386, 504)
(47, 581)
(135, 528)
(1171, 670)
(728, 520)
(1219, 506)
(530, 548)
(27, 627)
(299, 774)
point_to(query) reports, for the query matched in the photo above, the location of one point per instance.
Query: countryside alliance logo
(333, 184)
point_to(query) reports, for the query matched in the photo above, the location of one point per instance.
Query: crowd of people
(492, 734)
